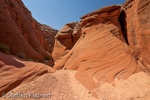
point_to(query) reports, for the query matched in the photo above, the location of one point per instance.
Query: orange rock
(45, 35)
(49, 34)
(15, 71)
(135, 18)
(101, 54)
(65, 39)
(17, 30)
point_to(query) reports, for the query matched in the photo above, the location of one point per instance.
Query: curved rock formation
(101, 54)
(45, 35)
(15, 71)
(17, 30)
(65, 39)
(22, 34)
(135, 19)
(49, 34)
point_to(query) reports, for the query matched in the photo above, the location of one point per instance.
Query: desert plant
(77, 25)
(4, 49)
(37, 50)
(119, 4)
(60, 58)
(21, 55)
(29, 59)
(47, 57)
(42, 61)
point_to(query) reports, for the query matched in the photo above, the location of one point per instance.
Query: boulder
(65, 40)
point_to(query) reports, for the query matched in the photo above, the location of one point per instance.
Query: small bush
(37, 50)
(59, 58)
(119, 4)
(4, 49)
(47, 57)
(42, 61)
(21, 55)
(29, 59)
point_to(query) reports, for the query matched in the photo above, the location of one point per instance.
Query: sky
(57, 13)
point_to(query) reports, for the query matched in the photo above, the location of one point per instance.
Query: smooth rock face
(49, 34)
(17, 30)
(101, 54)
(45, 35)
(65, 39)
(15, 71)
(135, 17)
(22, 34)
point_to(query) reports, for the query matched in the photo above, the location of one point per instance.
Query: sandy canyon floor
(62, 85)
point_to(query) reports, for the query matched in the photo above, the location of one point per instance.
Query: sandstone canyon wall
(15, 71)
(65, 40)
(101, 54)
(45, 35)
(19, 30)
(135, 19)
(113, 44)
(23, 34)
(49, 33)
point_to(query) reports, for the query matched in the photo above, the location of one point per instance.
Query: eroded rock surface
(135, 19)
(65, 39)
(49, 33)
(45, 35)
(15, 71)
(101, 54)
(18, 32)
(106, 45)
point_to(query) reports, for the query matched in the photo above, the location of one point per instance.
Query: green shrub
(47, 57)
(37, 50)
(60, 58)
(42, 61)
(21, 55)
(119, 4)
(29, 59)
(4, 49)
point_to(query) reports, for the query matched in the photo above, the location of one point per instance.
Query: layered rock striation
(65, 40)
(23, 35)
(45, 35)
(20, 32)
(15, 71)
(135, 21)
(101, 53)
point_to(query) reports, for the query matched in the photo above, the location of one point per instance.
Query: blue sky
(56, 13)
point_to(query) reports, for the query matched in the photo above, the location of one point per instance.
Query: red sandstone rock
(17, 30)
(65, 39)
(135, 18)
(45, 35)
(101, 54)
(15, 71)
